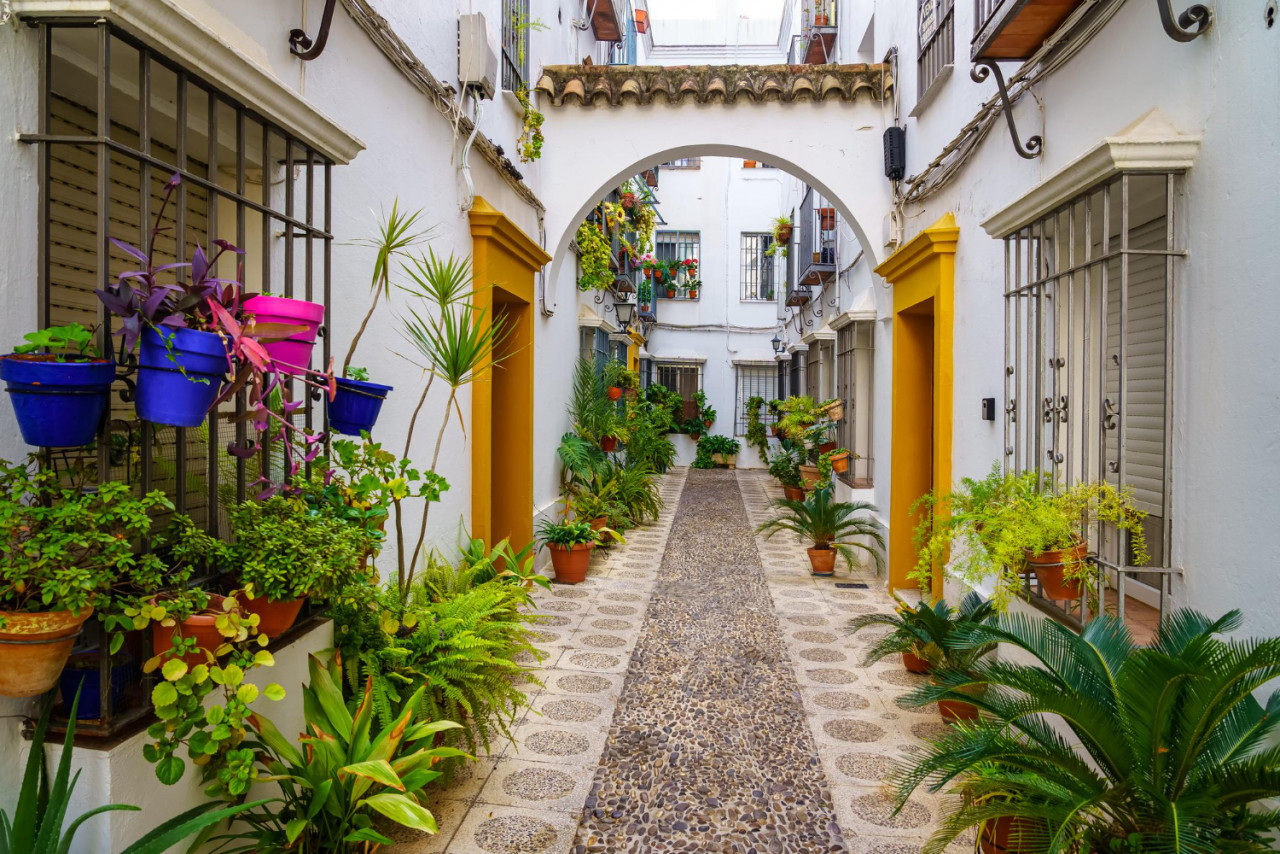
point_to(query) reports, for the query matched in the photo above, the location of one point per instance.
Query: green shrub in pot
(833, 527)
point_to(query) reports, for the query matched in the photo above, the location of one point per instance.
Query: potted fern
(833, 527)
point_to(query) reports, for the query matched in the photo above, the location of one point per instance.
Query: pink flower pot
(292, 355)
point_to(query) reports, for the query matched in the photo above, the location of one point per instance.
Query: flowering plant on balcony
(689, 265)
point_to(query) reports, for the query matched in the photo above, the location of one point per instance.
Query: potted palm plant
(1152, 749)
(69, 551)
(570, 544)
(834, 527)
(59, 386)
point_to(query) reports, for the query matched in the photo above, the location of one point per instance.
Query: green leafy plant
(933, 632)
(784, 464)
(710, 446)
(617, 375)
(567, 533)
(1166, 748)
(71, 342)
(845, 526)
(757, 437)
(779, 245)
(594, 256)
(581, 464)
(590, 409)
(530, 142)
(358, 374)
(345, 772)
(501, 563)
(44, 802)
(68, 546)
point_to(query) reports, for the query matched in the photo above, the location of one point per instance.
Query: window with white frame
(759, 270)
(1088, 311)
(754, 381)
(855, 352)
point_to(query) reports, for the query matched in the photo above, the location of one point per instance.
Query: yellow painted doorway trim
(922, 273)
(504, 261)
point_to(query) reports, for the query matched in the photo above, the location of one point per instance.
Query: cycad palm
(1168, 748)
(839, 525)
(929, 631)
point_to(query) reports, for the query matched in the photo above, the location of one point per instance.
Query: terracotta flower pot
(820, 20)
(203, 627)
(748, 164)
(35, 647)
(708, 422)
(608, 444)
(827, 215)
(823, 561)
(840, 463)
(915, 664)
(809, 474)
(615, 392)
(775, 430)
(957, 710)
(671, 293)
(1048, 567)
(274, 618)
(648, 272)
(644, 308)
(693, 293)
(1009, 835)
(570, 564)
(827, 447)
(599, 522)
(695, 436)
(784, 234)
(793, 493)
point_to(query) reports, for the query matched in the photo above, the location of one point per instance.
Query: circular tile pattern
(570, 593)
(515, 834)
(616, 610)
(554, 742)
(831, 676)
(841, 701)
(878, 810)
(809, 621)
(580, 683)
(571, 711)
(554, 621)
(901, 677)
(622, 597)
(538, 784)
(929, 730)
(856, 732)
(864, 766)
(604, 641)
(561, 607)
(797, 594)
(895, 848)
(821, 653)
(594, 660)
(864, 609)
(811, 636)
(543, 637)
(902, 703)
(615, 625)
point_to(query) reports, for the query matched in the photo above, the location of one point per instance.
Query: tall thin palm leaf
(589, 405)
(396, 233)
(845, 526)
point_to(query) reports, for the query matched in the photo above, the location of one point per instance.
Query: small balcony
(1015, 29)
(608, 20)
(816, 248)
(817, 44)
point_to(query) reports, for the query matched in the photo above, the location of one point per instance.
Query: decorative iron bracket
(982, 69)
(303, 46)
(1190, 25)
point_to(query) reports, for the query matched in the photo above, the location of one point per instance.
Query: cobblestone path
(710, 749)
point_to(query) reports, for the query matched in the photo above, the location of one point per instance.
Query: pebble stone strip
(526, 797)
(709, 749)
(853, 712)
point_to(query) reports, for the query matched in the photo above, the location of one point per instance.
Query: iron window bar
(937, 48)
(102, 162)
(515, 44)
(758, 270)
(754, 381)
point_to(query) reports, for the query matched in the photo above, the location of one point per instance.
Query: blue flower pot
(58, 404)
(355, 406)
(167, 395)
(89, 680)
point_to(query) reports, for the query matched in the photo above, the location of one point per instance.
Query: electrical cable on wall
(466, 150)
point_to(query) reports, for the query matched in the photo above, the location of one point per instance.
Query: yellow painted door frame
(504, 261)
(922, 273)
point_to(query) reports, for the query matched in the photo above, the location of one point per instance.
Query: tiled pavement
(529, 797)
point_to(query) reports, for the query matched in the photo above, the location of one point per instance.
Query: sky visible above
(715, 21)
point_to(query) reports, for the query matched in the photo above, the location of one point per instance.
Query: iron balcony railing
(983, 12)
(816, 248)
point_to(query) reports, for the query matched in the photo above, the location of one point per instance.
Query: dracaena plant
(140, 298)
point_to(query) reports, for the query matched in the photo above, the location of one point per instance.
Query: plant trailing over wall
(757, 437)
(593, 258)
(530, 143)
(782, 229)
(1166, 748)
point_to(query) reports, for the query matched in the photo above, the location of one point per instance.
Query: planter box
(727, 461)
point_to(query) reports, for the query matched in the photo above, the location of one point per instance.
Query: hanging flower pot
(274, 618)
(822, 561)
(34, 647)
(58, 404)
(180, 372)
(570, 562)
(840, 462)
(628, 200)
(827, 447)
(1049, 566)
(648, 272)
(292, 355)
(355, 406)
(615, 392)
(783, 234)
(608, 444)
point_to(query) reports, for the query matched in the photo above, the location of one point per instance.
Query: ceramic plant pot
(793, 493)
(784, 234)
(274, 618)
(180, 373)
(1048, 567)
(203, 627)
(914, 663)
(823, 561)
(953, 711)
(355, 406)
(34, 648)
(570, 564)
(609, 444)
(671, 293)
(1009, 835)
(827, 447)
(809, 474)
(293, 354)
(615, 392)
(840, 463)
(58, 404)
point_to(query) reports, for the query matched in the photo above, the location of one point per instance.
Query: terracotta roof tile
(614, 85)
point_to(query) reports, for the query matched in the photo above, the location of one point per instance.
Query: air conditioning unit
(477, 56)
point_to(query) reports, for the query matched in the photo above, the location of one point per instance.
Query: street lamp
(777, 344)
(626, 311)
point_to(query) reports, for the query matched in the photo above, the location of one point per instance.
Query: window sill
(931, 93)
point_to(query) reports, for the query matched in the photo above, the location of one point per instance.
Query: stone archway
(822, 124)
